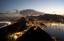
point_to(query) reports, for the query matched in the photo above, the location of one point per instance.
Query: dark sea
(56, 31)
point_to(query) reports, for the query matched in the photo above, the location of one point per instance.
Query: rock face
(35, 35)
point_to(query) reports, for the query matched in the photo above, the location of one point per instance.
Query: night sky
(48, 6)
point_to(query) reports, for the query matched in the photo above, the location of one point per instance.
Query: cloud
(58, 11)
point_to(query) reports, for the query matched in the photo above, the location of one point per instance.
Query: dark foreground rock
(35, 35)
(30, 35)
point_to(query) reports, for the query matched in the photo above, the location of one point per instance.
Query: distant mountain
(48, 17)
(30, 12)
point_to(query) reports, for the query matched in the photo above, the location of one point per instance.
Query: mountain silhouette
(30, 35)
(29, 12)
(16, 27)
(35, 35)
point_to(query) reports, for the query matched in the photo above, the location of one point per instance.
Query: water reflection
(56, 29)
